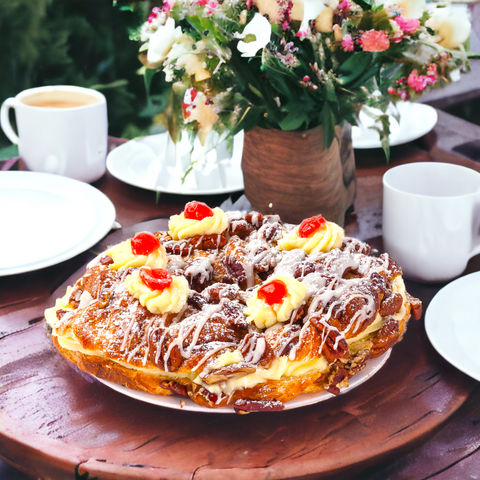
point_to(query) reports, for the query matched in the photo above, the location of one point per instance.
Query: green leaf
(328, 123)
(365, 4)
(380, 21)
(293, 121)
(354, 67)
(148, 77)
(256, 91)
(384, 133)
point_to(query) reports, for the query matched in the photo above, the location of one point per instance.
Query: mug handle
(5, 120)
(476, 230)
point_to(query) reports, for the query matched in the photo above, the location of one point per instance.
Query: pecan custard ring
(216, 348)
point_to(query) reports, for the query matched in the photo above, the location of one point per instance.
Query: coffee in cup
(61, 130)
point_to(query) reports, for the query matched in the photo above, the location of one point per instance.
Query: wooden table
(418, 418)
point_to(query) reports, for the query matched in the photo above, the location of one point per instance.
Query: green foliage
(78, 42)
(288, 75)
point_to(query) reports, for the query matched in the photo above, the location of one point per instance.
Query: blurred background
(79, 42)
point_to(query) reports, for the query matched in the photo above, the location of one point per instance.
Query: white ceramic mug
(431, 219)
(67, 139)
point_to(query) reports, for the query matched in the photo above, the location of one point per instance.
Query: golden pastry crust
(355, 308)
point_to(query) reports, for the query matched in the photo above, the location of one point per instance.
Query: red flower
(375, 41)
(408, 25)
(417, 82)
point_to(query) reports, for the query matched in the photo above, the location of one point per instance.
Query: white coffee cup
(431, 219)
(61, 129)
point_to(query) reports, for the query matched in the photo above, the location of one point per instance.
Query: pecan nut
(243, 406)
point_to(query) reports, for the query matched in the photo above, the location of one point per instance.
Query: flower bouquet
(298, 64)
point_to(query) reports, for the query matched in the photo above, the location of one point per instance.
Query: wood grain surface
(291, 173)
(54, 417)
(418, 418)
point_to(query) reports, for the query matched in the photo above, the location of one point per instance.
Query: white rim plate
(154, 163)
(416, 120)
(452, 322)
(47, 219)
(303, 400)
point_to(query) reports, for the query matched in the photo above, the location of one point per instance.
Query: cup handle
(5, 120)
(476, 230)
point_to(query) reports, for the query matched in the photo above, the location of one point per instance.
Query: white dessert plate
(46, 219)
(452, 322)
(303, 400)
(416, 120)
(155, 163)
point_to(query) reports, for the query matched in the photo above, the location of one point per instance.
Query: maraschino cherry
(311, 225)
(144, 243)
(197, 211)
(273, 292)
(155, 278)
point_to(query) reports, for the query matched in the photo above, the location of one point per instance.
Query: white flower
(162, 40)
(259, 28)
(407, 8)
(307, 10)
(452, 25)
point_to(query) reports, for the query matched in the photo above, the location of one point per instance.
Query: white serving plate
(155, 163)
(452, 322)
(46, 219)
(416, 120)
(303, 400)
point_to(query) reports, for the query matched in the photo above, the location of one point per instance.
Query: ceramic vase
(293, 175)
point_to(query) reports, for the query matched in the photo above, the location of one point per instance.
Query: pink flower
(345, 5)
(286, 25)
(404, 95)
(408, 25)
(306, 78)
(392, 91)
(347, 43)
(417, 82)
(301, 34)
(432, 75)
(167, 5)
(202, 3)
(211, 6)
(249, 4)
(375, 41)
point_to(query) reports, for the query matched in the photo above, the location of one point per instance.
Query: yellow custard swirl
(327, 238)
(170, 300)
(265, 315)
(180, 227)
(123, 257)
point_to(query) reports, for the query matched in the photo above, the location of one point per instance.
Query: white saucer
(416, 120)
(303, 400)
(452, 322)
(47, 219)
(155, 163)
